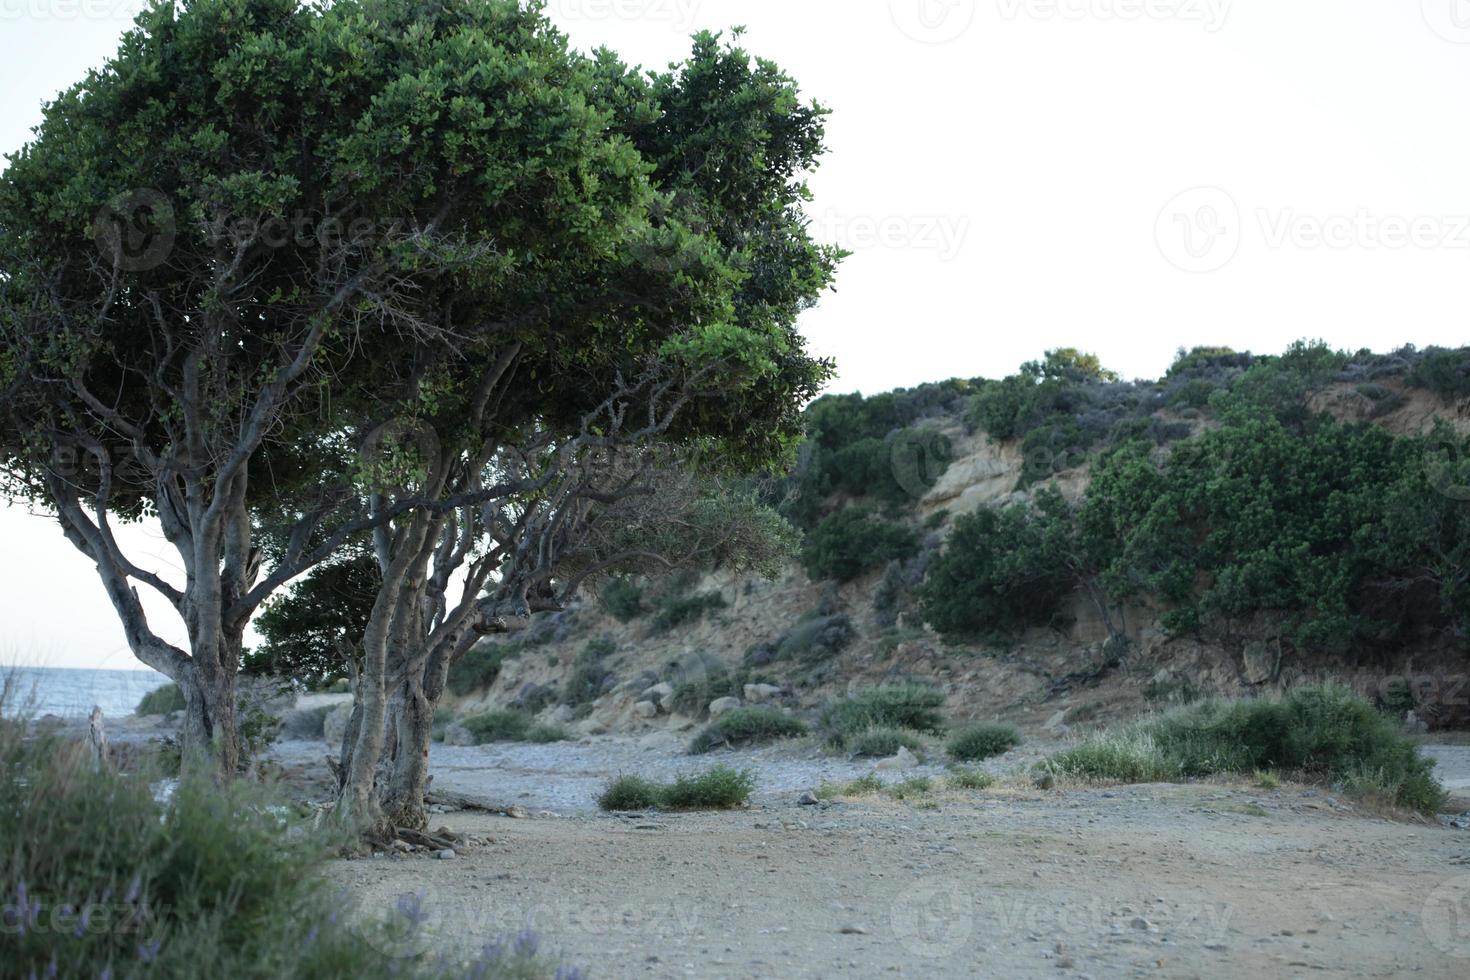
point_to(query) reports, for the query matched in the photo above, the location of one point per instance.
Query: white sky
(1125, 176)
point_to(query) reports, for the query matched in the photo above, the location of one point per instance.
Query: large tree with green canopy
(267, 233)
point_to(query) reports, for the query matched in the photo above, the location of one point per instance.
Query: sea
(72, 692)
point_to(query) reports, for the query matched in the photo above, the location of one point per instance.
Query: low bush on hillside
(854, 541)
(510, 725)
(589, 677)
(968, 779)
(1326, 734)
(882, 742)
(1444, 372)
(916, 707)
(720, 788)
(479, 666)
(818, 638)
(862, 786)
(746, 726)
(695, 689)
(975, 742)
(622, 598)
(676, 610)
(101, 880)
(163, 701)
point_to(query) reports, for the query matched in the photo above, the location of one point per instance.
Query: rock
(1057, 722)
(645, 709)
(661, 694)
(761, 693)
(517, 813)
(719, 706)
(1260, 662)
(853, 931)
(1141, 924)
(807, 799)
(445, 855)
(903, 760)
(456, 734)
(661, 742)
(1045, 781)
(1461, 822)
(562, 714)
(334, 726)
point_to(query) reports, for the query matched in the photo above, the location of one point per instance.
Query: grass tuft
(882, 742)
(912, 706)
(968, 779)
(720, 788)
(510, 725)
(746, 726)
(982, 741)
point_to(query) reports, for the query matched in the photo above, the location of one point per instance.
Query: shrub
(981, 741)
(1321, 733)
(479, 666)
(1003, 570)
(1445, 372)
(676, 610)
(163, 701)
(589, 677)
(622, 598)
(630, 793)
(912, 706)
(510, 725)
(816, 639)
(746, 726)
(853, 541)
(969, 779)
(307, 724)
(918, 786)
(882, 742)
(720, 788)
(218, 881)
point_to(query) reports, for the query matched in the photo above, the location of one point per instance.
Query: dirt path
(1158, 881)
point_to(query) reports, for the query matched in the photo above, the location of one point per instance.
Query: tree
(323, 234)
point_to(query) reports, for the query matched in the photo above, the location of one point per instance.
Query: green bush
(479, 666)
(916, 707)
(816, 639)
(1003, 570)
(982, 741)
(746, 726)
(1326, 734)
(915, 788)
(882, 742)
(1445, 372)
(219, 881)
(510, 725)
(720, 788)
(306, 724)
(676, 610)
(589, 676)
(163, 701)
(622, 598)
(853, 541)
(969, 779)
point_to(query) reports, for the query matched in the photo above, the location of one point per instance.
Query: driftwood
(465, 801)
(97, 737)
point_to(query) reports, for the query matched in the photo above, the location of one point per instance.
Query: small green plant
(630, 793)
(1267, 780)
(720, 788)
(975, 742)
(163, 701)
(910, 789)
(912, 706)
(589, 676)
(854, 541)
(676, 610)
(969, 779)
(479, 666)
(510, 725)
(622, 598)
(746, 726)
(882, 742)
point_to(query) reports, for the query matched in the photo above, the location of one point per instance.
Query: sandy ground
(1162, 881)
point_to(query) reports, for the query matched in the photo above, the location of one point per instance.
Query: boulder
(660, 694)
(645, 709)
(719, 706)
(458, 735)
(1260, 662)
(903, 760)
(760, 693)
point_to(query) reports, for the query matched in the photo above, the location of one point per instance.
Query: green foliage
(511, 725)
(225, 881)
(479, 666)
(1444, 372)
(853, 541)
(862, 786)
(975, 742)
(1003, 570)
(589, 676)
(916, 707)
(695, 689)
(968, 779)
(916, 787)
(719, 788)
(163, 701)
(311, 631)
(1321, 733)
(881, 742)
(816, 639)
(746, 726)
(677, 610)
(622, 598)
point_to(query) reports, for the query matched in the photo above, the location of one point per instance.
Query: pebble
(445, 855)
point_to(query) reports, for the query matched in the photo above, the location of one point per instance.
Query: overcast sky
(1124, 176)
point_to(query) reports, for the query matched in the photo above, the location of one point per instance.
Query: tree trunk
(408, 777)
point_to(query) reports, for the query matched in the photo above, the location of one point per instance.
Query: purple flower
(84, 921)
(411, 907)
(569, 973)
(133, 889)
(148, 952)
(527, 943)
(106, 973)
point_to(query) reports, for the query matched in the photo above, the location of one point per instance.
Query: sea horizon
(74, 691)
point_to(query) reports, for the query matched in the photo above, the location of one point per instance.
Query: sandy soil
(1162, 881)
